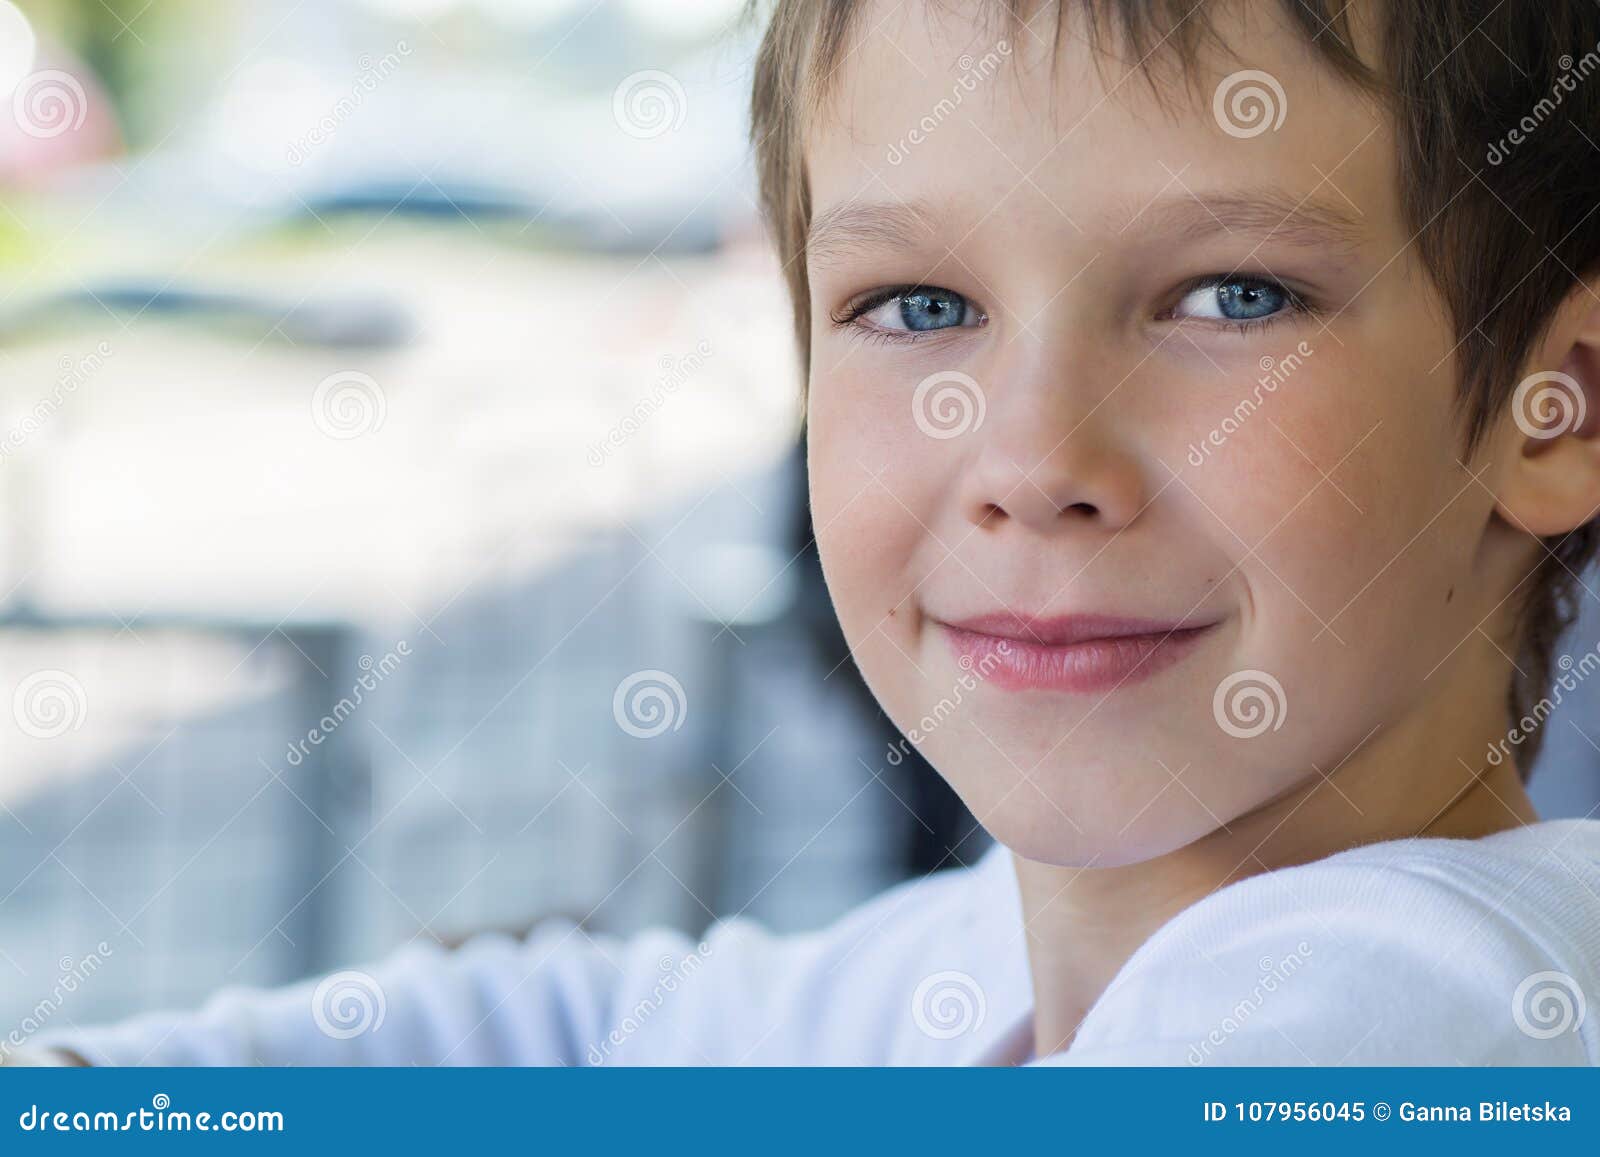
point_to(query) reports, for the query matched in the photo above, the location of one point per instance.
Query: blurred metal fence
(483, 771)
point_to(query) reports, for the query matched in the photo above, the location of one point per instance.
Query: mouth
(1077, 654)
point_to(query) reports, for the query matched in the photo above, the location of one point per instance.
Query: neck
(1084, 923)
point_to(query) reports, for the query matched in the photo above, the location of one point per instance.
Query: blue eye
(1235, 299)
(924, 309)
(905, 310)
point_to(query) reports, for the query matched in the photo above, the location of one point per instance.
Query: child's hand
(40, 1059)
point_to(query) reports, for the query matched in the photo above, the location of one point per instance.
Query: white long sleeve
(1412, 952)
(562, 996)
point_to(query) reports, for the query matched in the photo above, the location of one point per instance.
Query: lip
(1077, 654)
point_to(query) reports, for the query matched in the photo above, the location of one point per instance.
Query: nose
(1052, 456)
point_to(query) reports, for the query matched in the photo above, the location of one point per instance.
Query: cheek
(869, 497)
(864, 540)
(1351, 519)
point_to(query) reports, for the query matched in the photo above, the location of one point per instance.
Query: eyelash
(849, 317)
(1296, 304)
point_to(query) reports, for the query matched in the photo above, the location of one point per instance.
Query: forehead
(947, 105)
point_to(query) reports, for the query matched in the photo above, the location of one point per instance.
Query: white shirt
(1409, 952)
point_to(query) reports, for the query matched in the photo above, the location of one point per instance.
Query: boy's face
(1162, 455)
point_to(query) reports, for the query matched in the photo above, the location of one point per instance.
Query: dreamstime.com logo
(948, 404)
(1274, 373)
(160, 1117)
(49, 103)
(74, 974)
(973, 72)
(348, 1004)
(1274, 974)
(948, 1004)
(674, 373)
(1248, 103)
(649, 703)
(1548, 405)
(348, 404)
(49, 703)
(649, 104)
(675, 973)
(1249, 703)
(972, 674)
(1547, 1004)
(371, 74)
(373, 673)
(1573, 73)
(1568, 674)
(75, 372)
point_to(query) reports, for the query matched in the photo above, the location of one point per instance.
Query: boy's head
(1259, 341)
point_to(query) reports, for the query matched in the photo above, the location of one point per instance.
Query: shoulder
(1409, 952)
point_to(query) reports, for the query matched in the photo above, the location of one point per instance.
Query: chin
(1092, 824)
(1035, 838)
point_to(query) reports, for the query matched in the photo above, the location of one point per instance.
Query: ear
(1551, 484)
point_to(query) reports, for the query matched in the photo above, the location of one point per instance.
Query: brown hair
(1499, 168)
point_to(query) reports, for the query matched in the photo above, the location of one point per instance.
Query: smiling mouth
(1078, 654)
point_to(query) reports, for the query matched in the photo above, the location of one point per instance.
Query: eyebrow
(1259, 215)
(875, 225)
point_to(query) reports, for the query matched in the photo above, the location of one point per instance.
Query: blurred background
(401, 521)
